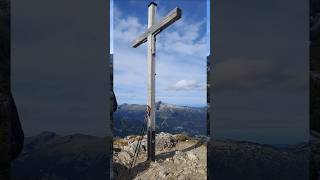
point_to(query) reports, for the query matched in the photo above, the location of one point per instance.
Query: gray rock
(124, 157)
(132, 145)
(192, 156)
(165, 140)
(163, 173)
(179, 155)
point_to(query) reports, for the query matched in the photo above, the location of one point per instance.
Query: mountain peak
(158, 104)
(47, 134)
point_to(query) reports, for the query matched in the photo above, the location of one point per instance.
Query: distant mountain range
(129, 118)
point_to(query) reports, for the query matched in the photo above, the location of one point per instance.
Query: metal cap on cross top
(149, 36)
(152, 3)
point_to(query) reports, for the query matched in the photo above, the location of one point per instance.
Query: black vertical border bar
(5, 54)
(210, 66)
(110, 145)
(314, 85)
(109, 86)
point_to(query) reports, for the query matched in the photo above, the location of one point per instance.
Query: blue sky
(181, 52)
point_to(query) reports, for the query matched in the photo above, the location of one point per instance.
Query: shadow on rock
(170, 154)
(122, 172)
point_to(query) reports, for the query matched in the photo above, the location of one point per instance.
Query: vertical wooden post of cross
(150, 37)
(151, 83)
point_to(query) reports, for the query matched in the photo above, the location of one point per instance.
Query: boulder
(165, 140)
(124, 157)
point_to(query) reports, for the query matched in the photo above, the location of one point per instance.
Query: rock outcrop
(182, 157)
(177, 157)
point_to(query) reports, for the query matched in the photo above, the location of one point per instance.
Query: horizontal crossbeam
(173, 16)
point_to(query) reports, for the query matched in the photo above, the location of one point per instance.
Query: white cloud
(183, 85)
(127, 29)
(185, 37)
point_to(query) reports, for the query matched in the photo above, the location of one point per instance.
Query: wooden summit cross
(149, 36)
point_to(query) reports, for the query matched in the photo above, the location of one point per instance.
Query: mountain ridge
(129, 118)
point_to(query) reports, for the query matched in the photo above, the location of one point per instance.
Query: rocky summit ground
(177, 157)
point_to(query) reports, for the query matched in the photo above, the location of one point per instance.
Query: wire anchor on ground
(142, 133)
